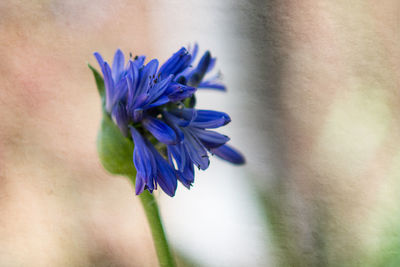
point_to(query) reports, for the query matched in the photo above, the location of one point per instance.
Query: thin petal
(210, 119)
(140, 184)
(196, 150)
(178, 92)
(161, 101)
(186, 173)
(133, 81)
(176, 63)
(177, 154)
(185, 114)
(142, 156)
(146, 75)
(200, 70)
(187, 176)
(120, 118)
(210, 67)
(166, 175)
(230, 154)
(120, 91)
(179, 117)
(210, 139)
(160, 130)
(118, 65)
(99, 59)
(212, 85)
(159, 89)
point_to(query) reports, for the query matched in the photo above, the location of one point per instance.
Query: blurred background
(313, 93)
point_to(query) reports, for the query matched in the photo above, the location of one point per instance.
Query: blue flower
(154, 107)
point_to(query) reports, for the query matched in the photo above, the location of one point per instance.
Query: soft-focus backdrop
(313, 92)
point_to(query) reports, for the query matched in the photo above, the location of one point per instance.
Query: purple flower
(154, 107)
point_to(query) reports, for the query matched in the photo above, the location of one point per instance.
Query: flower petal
(210, 139)
(177, 92)
(176, 63)
(186, 172)
(166, 175)
(201, 69)
(212, 85)
(120, 118)
(132, 82)
(160, 130)
(143, 158)
(159, 88)
(210, 119)
(196, 150)
(230, 154)
(147, 74)
(139, 184)
(99, 59)
(118, 65)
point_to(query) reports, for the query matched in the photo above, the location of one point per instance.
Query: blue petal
(161, 101)
(143, 159)
(159, 89)
(120, 91)
(210, 119)
(140, 184)
(178, 92)
(173, 122)
(176, 63)
(166, 175)
(180, 117)
(177, 154)
(213, 60)
(212, 85)
(139, 101)
(99, 59)
(201, 69)
(229, 154)
(132, 81)
(147, 74)
(188, 114)
(160, 130)
(210, 139)
(187, 176)
(186, 170)
(118, 65)
(204, 63)
(196, 150)
(120, 118)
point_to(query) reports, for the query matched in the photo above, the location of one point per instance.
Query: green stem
(164, 255)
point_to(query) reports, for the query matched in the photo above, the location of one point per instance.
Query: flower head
(154, 107)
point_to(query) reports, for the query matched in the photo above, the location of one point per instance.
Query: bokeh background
(313, 92)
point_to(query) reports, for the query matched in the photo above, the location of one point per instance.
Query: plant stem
(164, 255)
